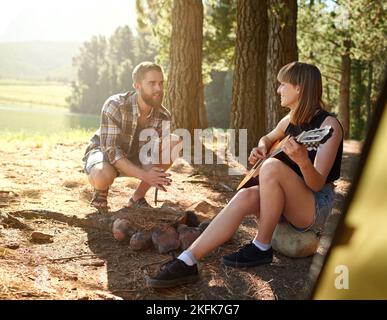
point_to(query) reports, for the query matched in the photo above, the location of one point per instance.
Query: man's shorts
(97, 156)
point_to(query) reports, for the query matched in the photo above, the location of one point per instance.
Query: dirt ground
(45, 188)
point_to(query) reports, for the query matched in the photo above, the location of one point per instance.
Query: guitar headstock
(313, 138)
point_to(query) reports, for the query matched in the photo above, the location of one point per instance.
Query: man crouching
(114, 149)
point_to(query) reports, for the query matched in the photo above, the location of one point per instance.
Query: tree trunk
(356, 114)
(248, 100)
(328, 105)
(344, 89)
(282, 49)
(369, 92)
(185, 94)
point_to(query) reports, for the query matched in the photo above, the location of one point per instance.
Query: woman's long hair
(308, 78)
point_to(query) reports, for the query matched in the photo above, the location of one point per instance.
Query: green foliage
(104, 67)
(155, 25)
(358, 92)
(219, 34)
(124, 75)
(325, 30)
(218, 59)
(316, 43)
(154, 17)
(122, 46)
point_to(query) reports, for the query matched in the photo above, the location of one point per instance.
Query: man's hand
(156, 177)
(258, 153)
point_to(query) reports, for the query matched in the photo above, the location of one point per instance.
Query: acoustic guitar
(310, 139)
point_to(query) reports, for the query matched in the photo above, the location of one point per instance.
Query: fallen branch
(198, 181)
(74, 257)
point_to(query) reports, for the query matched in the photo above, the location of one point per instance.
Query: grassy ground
(33, 93)
(10, 139)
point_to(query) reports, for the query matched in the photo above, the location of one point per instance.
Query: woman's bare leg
(244, 203)
(282, 191)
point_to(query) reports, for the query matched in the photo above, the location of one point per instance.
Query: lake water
(16, 119)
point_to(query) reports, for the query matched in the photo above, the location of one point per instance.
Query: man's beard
(150, 100)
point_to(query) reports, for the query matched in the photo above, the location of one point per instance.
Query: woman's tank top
(317, 120)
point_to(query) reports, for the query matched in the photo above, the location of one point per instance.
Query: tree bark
(185, 93)
(344, 88)
(248, 94)
(359, 91)
(328, 105)
(369, 92)
(282, 49)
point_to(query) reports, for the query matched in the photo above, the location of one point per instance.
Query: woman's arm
(278, 133)
(268, 140)
(315, 175)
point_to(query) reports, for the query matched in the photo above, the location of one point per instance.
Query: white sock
(261, 246)
(188, 258)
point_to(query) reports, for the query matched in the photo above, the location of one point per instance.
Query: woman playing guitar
(299, 191)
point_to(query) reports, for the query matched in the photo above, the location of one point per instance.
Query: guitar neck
(276, 152)
(277, 147)
(310, 139)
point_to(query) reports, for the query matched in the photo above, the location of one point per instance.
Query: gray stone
(165, 239)
(181, 227)
(292, 243)
(188, 218)
(141, 240)
(122, 229)
(40, 237)
(171, 207)
(187, 235)
(206, 207)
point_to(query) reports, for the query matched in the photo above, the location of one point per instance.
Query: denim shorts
(323, 204)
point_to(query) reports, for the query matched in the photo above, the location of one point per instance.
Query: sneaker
(248, 256)
(174, 273)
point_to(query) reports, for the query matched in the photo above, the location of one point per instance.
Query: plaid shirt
(118, 125)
